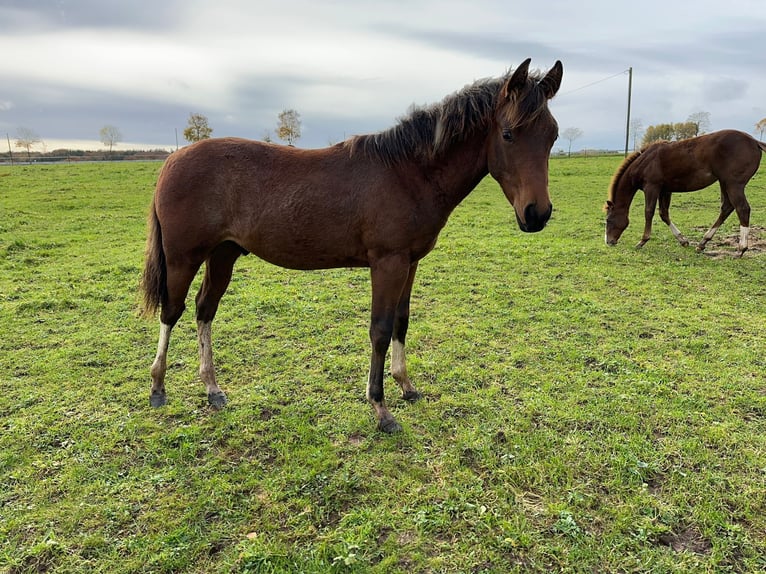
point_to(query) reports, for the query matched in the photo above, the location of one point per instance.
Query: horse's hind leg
(398, 358)
(665, 216)
(736, 195)
(178, 280)
(218, 270)
(726, 208)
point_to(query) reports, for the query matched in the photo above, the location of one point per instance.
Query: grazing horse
(728, 156)
(377, 201)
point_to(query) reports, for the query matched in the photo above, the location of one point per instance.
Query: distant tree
(26, 138)
(110, 135)
(637, 129)
(289, 126)
(571, 134)
(686, 130)
(197, 129)
(266, 136)
(760, 127)
(702, 121)
(671, 132)
(657, 133)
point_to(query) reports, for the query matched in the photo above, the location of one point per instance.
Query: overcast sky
(70, 67)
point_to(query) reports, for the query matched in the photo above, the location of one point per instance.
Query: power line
(594, 83)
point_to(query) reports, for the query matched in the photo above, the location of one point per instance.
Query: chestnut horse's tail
(154, 280)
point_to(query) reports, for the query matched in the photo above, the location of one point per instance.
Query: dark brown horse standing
(727, 156)
(375, 201)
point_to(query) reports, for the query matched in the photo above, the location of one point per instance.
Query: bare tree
(289, 126)
(702, 121)
(197, 129)
(571, 134)
(110, 135)
(26, 138)
(637, 128)
(760, 127)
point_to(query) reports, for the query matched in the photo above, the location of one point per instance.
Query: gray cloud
(350, 68)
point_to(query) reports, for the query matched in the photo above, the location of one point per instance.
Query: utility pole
(627, 126)
(10, 152)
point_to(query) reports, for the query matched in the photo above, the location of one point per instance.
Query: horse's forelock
(528, 106)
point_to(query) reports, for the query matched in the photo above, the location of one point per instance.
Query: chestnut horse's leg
(665, 216)
(736, 195)
(218, 270)
(389, 276)
(731, 198)
(178, 280)
(401, 322)
(650, 194)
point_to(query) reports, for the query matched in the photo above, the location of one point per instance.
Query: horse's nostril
(534, 220)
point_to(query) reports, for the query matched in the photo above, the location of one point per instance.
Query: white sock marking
(744, 233)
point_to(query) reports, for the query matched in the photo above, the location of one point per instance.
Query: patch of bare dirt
(722, 245)
(688, 540)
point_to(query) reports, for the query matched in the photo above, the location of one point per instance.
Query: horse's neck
(625, 189)
(458, 170)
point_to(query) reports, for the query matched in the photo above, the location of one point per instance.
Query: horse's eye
(507, 134)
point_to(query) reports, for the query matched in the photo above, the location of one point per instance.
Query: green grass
(586, 409)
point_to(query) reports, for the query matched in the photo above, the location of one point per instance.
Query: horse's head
(621, 191)
(616, 223)
(523, 132)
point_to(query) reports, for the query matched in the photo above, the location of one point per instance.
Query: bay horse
(730, 157)
(377, 200)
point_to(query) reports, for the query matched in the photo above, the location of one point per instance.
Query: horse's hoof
(412, 396)
(217, 400)
(684, 243)
(389, 426)
(158, 400)
(700, 248)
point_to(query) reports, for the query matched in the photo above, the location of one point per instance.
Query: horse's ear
(518, 80)
(552, 80)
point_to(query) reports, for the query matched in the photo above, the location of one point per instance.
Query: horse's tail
(154, 280)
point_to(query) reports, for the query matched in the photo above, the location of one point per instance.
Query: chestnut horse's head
(621, 192)
(616, 222)
(523, 132)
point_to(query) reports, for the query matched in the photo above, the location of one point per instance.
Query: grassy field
(586, 409)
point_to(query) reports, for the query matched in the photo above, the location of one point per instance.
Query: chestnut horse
(376, 201)
(730, 157)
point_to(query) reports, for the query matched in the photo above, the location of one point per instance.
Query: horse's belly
(306, 254)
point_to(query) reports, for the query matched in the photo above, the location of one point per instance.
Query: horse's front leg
(665, 216)
(389, 276)
(651, 204)
(398, 358)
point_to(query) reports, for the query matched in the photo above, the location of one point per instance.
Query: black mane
(425, 132)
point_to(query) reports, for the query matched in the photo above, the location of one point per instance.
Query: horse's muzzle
(533, 220)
